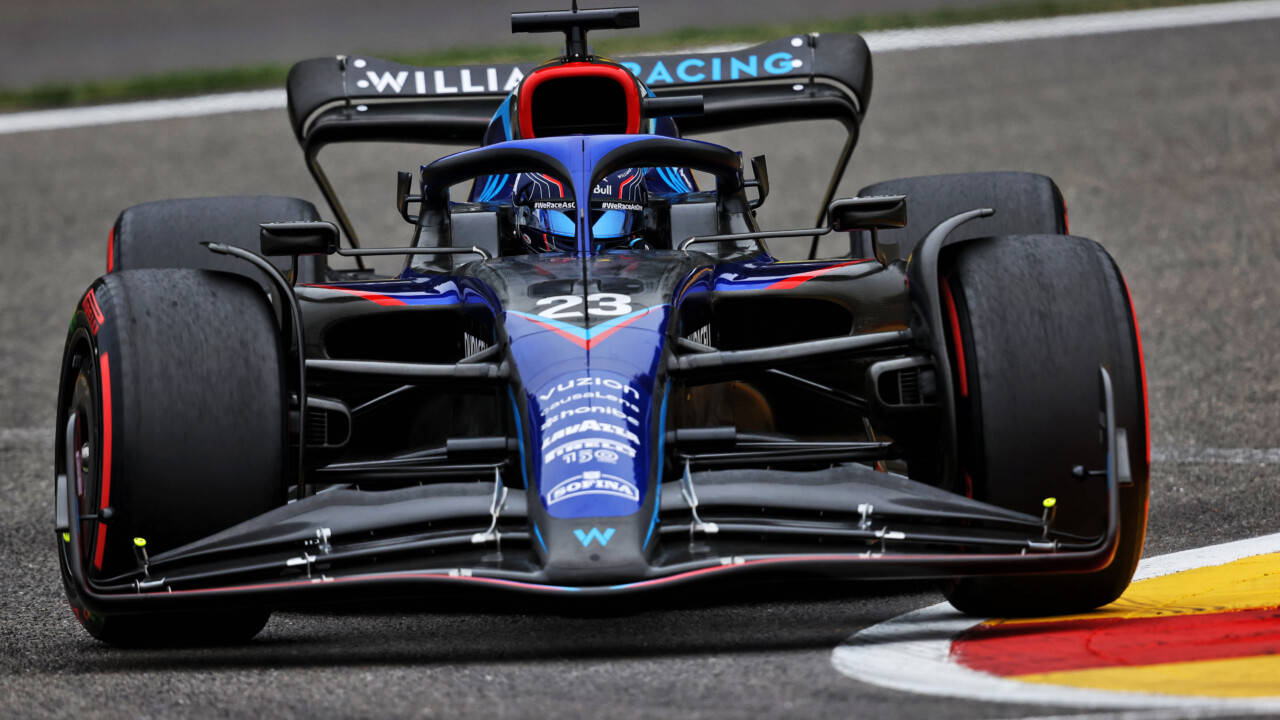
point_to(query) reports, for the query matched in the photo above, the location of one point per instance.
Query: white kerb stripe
(882, 41)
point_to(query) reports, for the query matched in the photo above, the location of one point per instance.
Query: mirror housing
(404, 185)
(868, 213)
(760, 168)
(671, 106)
(291, 239)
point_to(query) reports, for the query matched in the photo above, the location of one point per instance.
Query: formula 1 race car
(593, 377)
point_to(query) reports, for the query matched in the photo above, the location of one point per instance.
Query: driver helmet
(546, 213)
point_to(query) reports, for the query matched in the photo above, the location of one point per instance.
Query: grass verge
(194, 82)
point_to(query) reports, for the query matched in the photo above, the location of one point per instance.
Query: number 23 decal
(569, 306)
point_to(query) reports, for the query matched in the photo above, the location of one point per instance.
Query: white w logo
(382, 83)
(586, 537)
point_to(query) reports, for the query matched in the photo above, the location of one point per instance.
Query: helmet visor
(557, 222)
(616, 220)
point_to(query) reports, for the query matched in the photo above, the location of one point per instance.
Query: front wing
(846, 520)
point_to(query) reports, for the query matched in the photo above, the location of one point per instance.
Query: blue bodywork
(587, 335)
(592, 393)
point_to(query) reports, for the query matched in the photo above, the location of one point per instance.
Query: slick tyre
(170, 428)
(1031, 319)
(168, 233)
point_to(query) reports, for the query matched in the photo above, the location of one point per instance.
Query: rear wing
(346, 98)
(355, 98)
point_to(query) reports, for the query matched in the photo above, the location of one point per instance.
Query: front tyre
(1031, 318)
(170, 428)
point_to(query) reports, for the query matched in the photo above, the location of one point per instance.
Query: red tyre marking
(1044, 647)
(800, 279)
(1142, 365)
(104, 369)
(92, 312)
(111, 249)
(954, 320)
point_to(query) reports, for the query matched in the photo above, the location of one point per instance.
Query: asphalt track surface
(1167, 148)
(76, 40)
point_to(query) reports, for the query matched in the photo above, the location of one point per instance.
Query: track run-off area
(1163, 137)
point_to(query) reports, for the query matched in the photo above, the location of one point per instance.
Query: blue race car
(593, 377)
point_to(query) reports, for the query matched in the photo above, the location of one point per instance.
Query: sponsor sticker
(589, 426)
(593, 482)
(573, 450)
(589, 382)
(603, 397)
(589, 432)
(609, 411)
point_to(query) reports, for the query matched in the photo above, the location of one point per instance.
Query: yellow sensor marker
(1046, 520)
(140, 553)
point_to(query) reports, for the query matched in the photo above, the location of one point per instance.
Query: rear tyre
(1037, 316)
(168, 233)
(174, 378)
(1025, 204)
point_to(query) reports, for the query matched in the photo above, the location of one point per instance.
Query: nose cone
(595, 472)
(587, 335)
(594, 551)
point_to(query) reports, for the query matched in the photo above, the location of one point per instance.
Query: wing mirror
(291, 239)
(871, 213)
(761, 182)
(671, 106)
(868, 213)
(404, 186)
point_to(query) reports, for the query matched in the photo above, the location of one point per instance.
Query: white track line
(139, 111)
(1071, 26)
(912, 652)
(882, 41)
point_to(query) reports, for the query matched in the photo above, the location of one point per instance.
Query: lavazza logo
(593, 482)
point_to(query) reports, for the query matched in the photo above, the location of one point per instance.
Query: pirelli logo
(92, 312)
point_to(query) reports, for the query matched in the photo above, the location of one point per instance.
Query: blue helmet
(546, 215)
